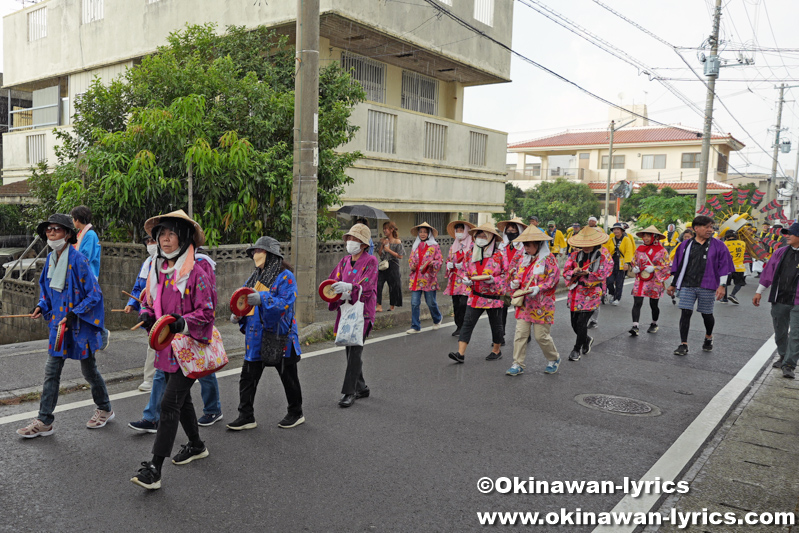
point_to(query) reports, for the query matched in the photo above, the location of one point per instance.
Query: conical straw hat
(502, 225)
(532, 234)
(431, 229)
(653, 230)
(487, 227)
(451, 226)
(588, 237)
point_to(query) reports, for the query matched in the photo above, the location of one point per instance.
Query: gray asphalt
(406, 459)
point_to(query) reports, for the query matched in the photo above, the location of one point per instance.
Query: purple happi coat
(719, 263)
(363, 276)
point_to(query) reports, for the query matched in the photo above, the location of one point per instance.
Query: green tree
(561, 200)
(222, 105)
(514, 197)
(631, 207)
(660, 211)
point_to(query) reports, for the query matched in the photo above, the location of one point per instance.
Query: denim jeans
(416, 303)
(52, 381)
(209, 390)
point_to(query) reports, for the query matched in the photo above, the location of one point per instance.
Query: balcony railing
(547, 174)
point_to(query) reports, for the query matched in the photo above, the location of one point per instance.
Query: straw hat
(360, 232)
(588, 237)
(486, 227)
(502, 225)
(451, 226)
(653, 230)
(532, 234)
(431, 229)
(199, 234)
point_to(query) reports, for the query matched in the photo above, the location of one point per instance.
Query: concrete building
(421, 161)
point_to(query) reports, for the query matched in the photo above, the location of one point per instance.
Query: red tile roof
(18, 188)
(676, 185)
(641, 134)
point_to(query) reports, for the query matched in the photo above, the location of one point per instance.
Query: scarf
(57, 269)
(652, 249)
(593, 258)
(479, 252)
(81, 234)
(267, 275)
(183, 267)
(463, 245)
(431, 241)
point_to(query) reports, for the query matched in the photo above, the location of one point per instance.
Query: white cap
(595, 219)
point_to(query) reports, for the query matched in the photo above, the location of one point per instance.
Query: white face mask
(171, 255)
(481, 242)
(353, 247)
(460, 236)
(152, 249)
(56, 245)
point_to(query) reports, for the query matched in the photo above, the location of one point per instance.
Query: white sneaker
(437, 326)
(146, 386)
(412, 331)
(615, 302)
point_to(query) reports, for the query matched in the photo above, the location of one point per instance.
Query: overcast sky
(535, 104)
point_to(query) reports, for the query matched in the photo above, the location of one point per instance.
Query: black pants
(616, 283)
(504, 320)
(638, 302)
(251, 374)
(494, 320)
(391, 276)
(460, 303)
(176, 407)
(736, 278)
(685, 324)
(353, 377)
(580, 327)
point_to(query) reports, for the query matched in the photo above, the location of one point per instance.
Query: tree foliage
(221, 106)
(661, 210)
(561, 200)
(631, 207)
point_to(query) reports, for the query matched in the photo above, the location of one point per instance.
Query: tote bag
(196, 359)
(350, 325)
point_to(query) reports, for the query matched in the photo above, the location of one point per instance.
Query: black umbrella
(364, 211)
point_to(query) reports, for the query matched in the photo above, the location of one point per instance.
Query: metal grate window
(484, 11)
(435, 141)
(92, 10)
(437, 220)
(478, 142)
(36, 149)
(369, 73)
(381, 132)
(37, 24)
(419, 93)
(153, 1)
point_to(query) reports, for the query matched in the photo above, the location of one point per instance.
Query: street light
(610, 166)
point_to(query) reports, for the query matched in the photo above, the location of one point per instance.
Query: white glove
(514, 285)
(489, 281)
(234, 319)
(534, 291)
(636, 270)
(650, 269)
(459, 265)
(450, 265)
(467, 282)
(342, 286)
(254, 298)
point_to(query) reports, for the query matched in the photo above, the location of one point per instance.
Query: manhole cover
(617, 404)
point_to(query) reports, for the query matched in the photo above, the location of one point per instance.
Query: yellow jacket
(558, 242)
(674, 241)
(626, 248)
(632, 241)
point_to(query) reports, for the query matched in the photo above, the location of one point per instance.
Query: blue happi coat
(141, 283)
(277, 308)
(82, 296)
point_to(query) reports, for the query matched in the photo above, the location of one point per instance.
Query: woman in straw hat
(425, 262)
(184, 286)
(356, 276)
(651, 268)
(585, 272)
(485, 274)
(512, 251)
(535, 276)
(456, 270)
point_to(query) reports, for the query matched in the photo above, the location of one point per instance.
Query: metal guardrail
(21, 257)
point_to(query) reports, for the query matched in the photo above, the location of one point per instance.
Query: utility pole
(306, 158)
(772, 182)
(712, 74)
(795, 188)
(610, 166)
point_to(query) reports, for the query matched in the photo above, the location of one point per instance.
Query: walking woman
(456, 270)
(184, 286)
(271, 319)
(356, 276)
(485, 274)
(512, 252)
(651, 268)
(390, 252)
(536, 275)
(584, 272)
(425, 262)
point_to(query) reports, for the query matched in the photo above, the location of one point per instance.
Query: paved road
(406, 459)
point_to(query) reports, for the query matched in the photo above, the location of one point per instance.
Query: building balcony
(26, 148)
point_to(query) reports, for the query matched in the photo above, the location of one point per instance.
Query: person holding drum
(456, 272)
(534, 278)
(512, 252)
(180, 292)
(425, 262)
(651, 268)
(355, 280)
(269, 311)
(71, 301)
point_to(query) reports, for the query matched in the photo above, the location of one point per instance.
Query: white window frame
(484, 12)
(419, 93)
(381, 132)
(36, 148)
(93, 10)
(653, 161)
(618, 162)
(369, 73)
(37, 24)
(478, 148)
(435, 141)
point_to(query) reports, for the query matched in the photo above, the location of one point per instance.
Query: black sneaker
(777, 363)
(682, 349)
(189, 453)
(588, 344)
(493, 356)
(147, 476)
(456, 333)
(363, 393)
(787, 372)
(242, 423)
(292, 421)
(457, 357)
(633, 331)
(708, 345)
(575, 355)
(592, 324)
(733, 299)
(653, 328)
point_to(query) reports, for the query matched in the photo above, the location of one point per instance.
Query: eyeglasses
(54, 229)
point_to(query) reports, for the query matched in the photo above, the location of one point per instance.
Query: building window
(478, 143)
(437, 220)
(369, 73)
(691, 160)
(153, 1)
(419, 93)
(484, 11)
(722, 165)
(36, 149)
(37, 24)
(618, 162)
(585, 156)
(448, 2)
(381, 129)
(435, 141)
(653, 161)
(92, 10)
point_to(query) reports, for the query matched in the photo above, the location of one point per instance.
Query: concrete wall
(16, 166)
